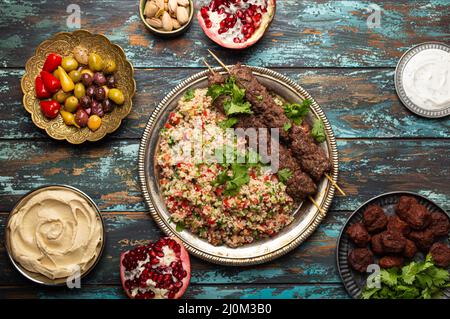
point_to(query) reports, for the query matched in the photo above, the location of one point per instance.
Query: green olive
(110, 66)
(79, 91)
(60, 96)
(75, 75)
(95, 62)
(116, 96)
(68, 63)
(71, 104)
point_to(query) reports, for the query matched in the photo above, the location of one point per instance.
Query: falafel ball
(391, 261)
(440, 253)
(375, 219)
(398, 225)
(360, 258)
(410, 249)
(423, 239)
(440, 225)
(377, 246)
(393, 242)
(403, 205)
(358, 234)
(418, 217)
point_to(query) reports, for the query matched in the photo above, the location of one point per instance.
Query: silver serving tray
(398, 80)
(307, 216)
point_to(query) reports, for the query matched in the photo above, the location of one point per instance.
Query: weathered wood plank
(312, 262)
(107, 171)
(359, 103)
(272, 291)
(307, 33)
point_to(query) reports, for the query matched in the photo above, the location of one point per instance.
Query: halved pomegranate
(160, 270)
(236, 24)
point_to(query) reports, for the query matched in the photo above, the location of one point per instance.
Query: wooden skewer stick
(209, 67)
(317, 205)
(219, 61)
(335, 184)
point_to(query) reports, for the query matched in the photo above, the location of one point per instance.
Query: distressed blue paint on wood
(383, 147)
(306, 33)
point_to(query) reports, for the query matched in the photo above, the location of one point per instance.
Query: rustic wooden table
(325, 45)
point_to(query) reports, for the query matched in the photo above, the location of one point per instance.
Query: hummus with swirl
(55, 233)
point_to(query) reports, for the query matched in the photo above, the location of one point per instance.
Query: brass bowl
(63, 44)
(162, 33)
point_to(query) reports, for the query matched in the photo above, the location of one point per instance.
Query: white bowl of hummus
(55, 234)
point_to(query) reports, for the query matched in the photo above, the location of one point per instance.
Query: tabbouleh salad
(232, 204)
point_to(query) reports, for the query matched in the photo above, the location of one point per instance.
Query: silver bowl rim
(324, 204)
(26, 273)
(404, 59)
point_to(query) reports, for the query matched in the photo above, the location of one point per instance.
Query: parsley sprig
(296, 112)
(416, 280)
(235, 103)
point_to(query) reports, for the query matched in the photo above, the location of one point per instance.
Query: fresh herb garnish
(180, 226)
(318, 131)
(228, 123)
(287, 126)
(235, 103)
(296, 112)
(234, 181)
(284, 175)
(189, 95)
(417, 280)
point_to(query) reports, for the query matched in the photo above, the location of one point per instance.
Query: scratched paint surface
(324, 45)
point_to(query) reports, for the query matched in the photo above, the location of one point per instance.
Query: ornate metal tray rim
(94, 136)
(266, 257)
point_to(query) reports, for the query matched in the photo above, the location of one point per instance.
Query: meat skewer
(316, 162)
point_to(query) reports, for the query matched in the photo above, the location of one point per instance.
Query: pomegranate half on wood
(236, 24)
(160, 270)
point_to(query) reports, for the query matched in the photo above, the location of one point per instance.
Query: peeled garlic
(156, 23)
(160, 4)
(150, 9)
(182, 15)
(167, 23)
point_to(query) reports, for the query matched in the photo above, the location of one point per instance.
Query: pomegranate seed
(208, 23)
(240, 14)
(237, 40)
(263, 9)
(250, 12)
(248, 19)
(257, 17)
(204, 12)
(222, 30)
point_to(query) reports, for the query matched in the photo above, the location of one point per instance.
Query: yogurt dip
(55, 233)
(426, 79)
